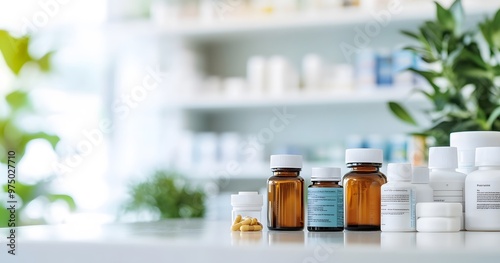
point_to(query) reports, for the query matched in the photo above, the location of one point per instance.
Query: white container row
(474, 198)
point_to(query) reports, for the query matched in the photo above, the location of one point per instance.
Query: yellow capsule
(246, 221)
(236, 227)
(254, 221)
(237, 219)
(250, 228)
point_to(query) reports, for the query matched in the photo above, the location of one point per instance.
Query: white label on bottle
(449, 192)
(488, 196)
(398, 209)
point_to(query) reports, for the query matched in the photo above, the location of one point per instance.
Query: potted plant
(463, 74)
(163, 195)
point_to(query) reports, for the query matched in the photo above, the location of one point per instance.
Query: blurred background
(163, 108)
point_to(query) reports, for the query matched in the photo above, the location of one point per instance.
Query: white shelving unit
(306, 99)
(409, 11)
(223, 47)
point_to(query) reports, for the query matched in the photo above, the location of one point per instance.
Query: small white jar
(247, 204)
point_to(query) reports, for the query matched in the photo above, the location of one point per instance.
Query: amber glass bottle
(362, 189)
(285, 194)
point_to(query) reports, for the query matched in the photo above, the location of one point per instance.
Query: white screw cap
(246, 199)
(488, 156)
(467, 142)
(399, 172)
(325, 174)
(286, 161)
(443, 158)
(364, 155)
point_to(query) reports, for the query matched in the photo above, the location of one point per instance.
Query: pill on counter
(250, 228)
(246, 224)
(237, 219)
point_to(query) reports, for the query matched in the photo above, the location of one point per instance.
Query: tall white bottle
(398, 199)
(482, 192)
(447, 183)
(420, 179)
(467, 142)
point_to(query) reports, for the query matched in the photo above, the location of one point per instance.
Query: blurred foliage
(15, 51)
(167, 194)
(465, 76)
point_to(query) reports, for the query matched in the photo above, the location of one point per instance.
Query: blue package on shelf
(402, 60)
(384, 69)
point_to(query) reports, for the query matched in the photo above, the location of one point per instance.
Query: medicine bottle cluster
(459, 190)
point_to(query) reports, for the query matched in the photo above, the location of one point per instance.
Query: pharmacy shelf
(409, 11)
(219, 102)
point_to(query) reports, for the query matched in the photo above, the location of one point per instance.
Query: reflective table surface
(212, 241)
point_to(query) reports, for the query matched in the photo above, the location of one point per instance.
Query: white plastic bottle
(482, 192)
(447, 183)
(467, 142)
(398, 199)
(420, 179)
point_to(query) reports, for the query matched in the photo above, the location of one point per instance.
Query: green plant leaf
(457, 11)
(44, 62)
(445, 17)
(52, 139)
(411, 35)
(496, 21)
(401, 113)
(486, 31)
(18, 99)
(493, 117)
(14, 51)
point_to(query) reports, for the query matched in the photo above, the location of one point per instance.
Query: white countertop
(211, 241)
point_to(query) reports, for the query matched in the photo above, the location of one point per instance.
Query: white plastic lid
(399, 172)
(364, 155)
(434, 209)
(246, 199)
(286, 161)
(443, 158)
(420, 175)
(488, 156)
(438, 224)
(467, 142)
(325, 174)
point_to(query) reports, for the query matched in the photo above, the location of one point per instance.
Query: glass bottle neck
(364, 167)
(325, 182)
(286, 172)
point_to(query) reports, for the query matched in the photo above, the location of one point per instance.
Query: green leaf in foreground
(401, 113)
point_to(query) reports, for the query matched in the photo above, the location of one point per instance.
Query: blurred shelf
(301, 99)
(294, 21)
(247, 171)
(255, 171)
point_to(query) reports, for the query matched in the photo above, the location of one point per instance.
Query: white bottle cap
(325, 174)
(467, 142)
(246, 199)
(286, 161)
(420, 175)
(399, 172)
(443, 158)
(364, 155)
(488, 156)
(431, 209)
(438, 224)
